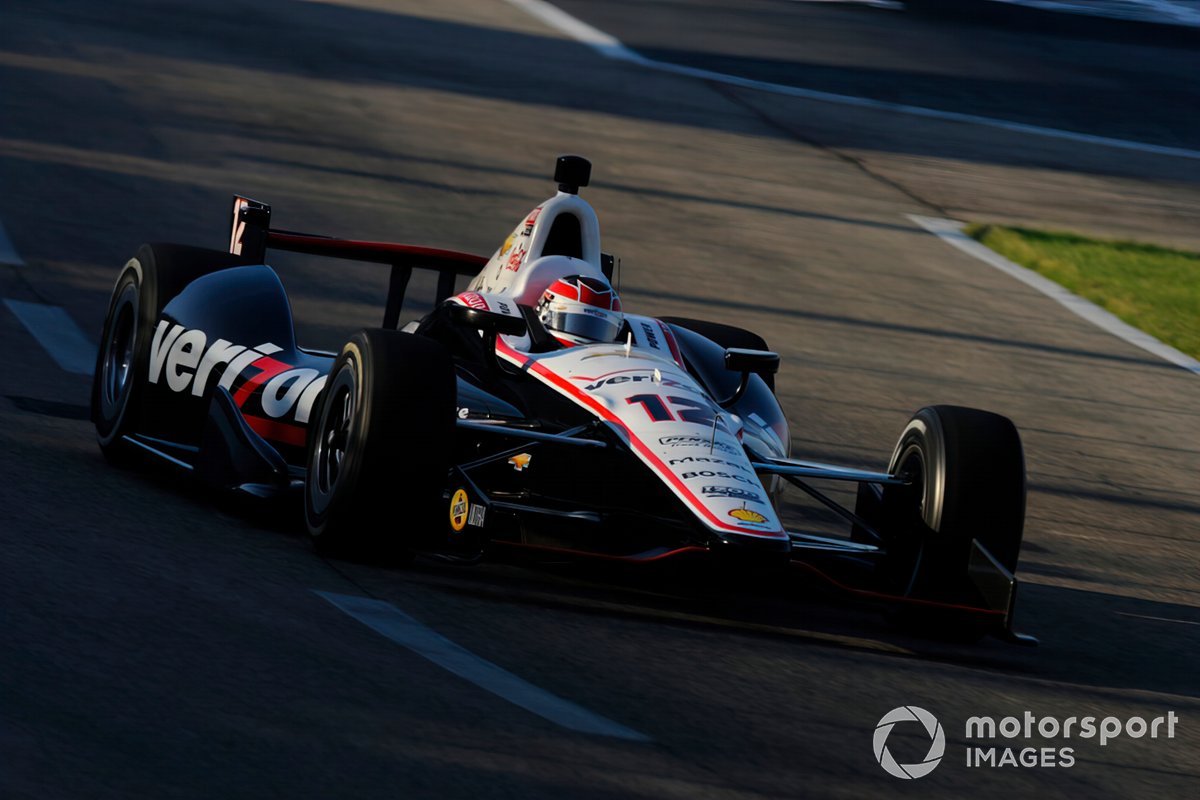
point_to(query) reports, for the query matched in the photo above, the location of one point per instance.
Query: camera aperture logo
(992, 743)
(937, 745)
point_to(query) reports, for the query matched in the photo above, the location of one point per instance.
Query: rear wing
(250, 236)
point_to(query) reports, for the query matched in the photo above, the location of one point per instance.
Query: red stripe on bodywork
(637, 559)
(269, 368)
(671, 343)
(892, 598)
(648, 455)
(277, 431)
(381, 251)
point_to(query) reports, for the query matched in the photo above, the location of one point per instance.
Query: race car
(532, 412)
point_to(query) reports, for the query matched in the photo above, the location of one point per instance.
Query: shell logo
(746, 515)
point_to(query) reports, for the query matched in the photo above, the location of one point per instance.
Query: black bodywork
(228, 394)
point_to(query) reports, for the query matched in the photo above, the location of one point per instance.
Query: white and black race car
(531, 412)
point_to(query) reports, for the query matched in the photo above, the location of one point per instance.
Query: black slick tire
(380, 447)
(145, 285)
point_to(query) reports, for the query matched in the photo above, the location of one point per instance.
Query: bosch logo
(708, 473)
(937, 746)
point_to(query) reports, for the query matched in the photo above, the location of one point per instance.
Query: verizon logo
(186, 360)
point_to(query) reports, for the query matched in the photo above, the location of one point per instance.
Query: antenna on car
(571, 173)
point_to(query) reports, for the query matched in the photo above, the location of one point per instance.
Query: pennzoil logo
(713, 445)
(459, 509)
(746, 515)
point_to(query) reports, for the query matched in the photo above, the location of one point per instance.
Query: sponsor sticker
(532, 218)
(646, 377)
(731, 491)
(475, 515)
(520, 462)
(651, 339)
(746, 515)
(707, 460)
(459, 509)
(514, 261)
(187, 361)
(474, 300)
(695, 441)
(709, 473)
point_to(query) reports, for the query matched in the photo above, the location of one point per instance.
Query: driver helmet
(578, 309)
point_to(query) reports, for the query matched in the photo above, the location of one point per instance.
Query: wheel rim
(912, 466)
(332, 443)
(117, 364)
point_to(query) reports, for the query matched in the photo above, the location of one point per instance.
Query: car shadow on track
(1087, 638)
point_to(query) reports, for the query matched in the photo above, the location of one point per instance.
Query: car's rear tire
(145, 285)
(967, 471)
(726, 336)
(379, 449)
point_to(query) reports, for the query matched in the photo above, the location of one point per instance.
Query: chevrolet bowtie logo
(520, 462)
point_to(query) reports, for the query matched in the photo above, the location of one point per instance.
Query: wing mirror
(748, 362)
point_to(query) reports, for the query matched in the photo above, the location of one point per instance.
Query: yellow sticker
(458, 510)
(746, 515)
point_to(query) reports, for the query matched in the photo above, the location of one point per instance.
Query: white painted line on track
(611, 47)
(892, 5)
(1165, 12)
(1156, 619)
(951, 232)
(386, 619)
(8, 253)
(58, 334)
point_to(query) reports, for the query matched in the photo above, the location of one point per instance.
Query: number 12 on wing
(685, 409)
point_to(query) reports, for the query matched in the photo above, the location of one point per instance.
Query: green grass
(1152, 288)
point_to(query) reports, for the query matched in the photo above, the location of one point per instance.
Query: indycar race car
(532, 412)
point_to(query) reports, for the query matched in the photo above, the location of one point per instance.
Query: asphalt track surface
(155, 644)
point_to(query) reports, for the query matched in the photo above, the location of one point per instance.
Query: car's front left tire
(145, 285)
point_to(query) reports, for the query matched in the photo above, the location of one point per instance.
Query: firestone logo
(937, 746)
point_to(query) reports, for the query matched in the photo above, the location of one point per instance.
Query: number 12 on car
(685, 410)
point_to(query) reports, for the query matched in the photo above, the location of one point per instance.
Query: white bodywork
(640, 387)
(669, 423)
(519, 267)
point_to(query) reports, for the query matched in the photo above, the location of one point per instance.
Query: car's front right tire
(966, 473)
(379, 449)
